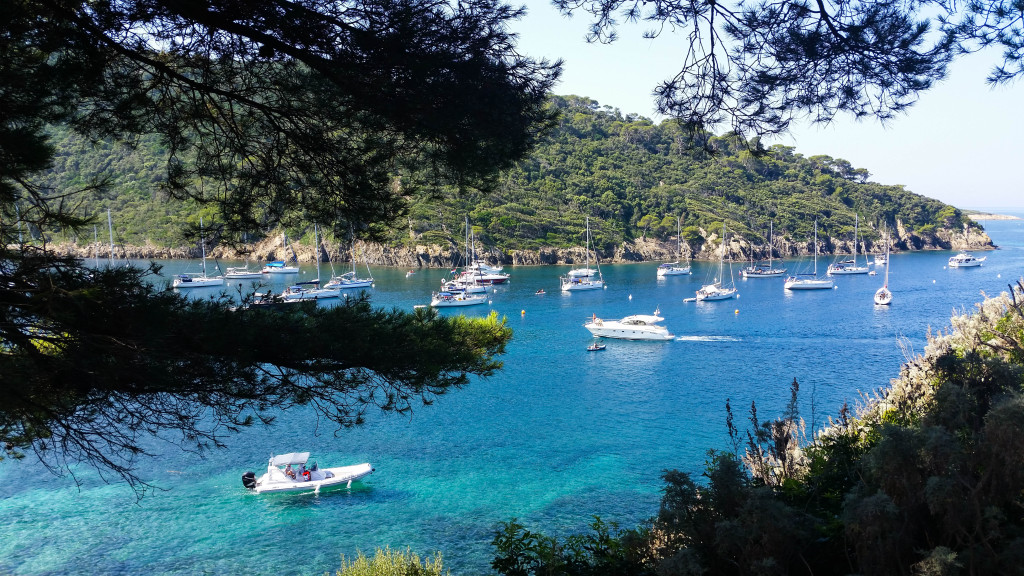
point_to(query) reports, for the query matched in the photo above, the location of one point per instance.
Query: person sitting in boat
(289, 472)
(303, 472)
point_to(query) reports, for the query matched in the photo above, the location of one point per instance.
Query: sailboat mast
(202, 244)
(815, 248)
(771, 232)
(316, 254)
(856, 223)
(110, 227)
(588, 243)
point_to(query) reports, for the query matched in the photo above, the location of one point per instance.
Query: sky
(961, 143)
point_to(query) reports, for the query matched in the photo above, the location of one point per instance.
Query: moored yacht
(965, 260)
(635, 327)
(810, 281)
(449, 299)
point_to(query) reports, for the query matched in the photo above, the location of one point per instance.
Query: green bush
(388, 562)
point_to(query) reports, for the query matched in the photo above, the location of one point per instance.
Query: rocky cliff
(640, 250)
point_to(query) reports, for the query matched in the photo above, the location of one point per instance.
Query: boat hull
(581, 284)
(198, 282)
(320, 480)
(674, 271)
(773, 273)
(883, 297)
(456, 300)
(809, 284)
(849, 270)
(629, 333)
(242, 275)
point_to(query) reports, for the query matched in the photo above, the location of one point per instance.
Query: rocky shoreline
(447, 256)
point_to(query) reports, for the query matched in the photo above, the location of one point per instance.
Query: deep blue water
(558, 435)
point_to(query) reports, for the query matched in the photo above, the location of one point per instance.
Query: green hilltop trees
(633, 177)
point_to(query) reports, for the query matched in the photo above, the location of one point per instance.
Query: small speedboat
(595, 347)
(539, 292)
(282, 477)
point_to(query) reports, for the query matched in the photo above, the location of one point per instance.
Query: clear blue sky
(961, 143)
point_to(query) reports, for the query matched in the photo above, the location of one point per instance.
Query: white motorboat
(675, 268)
(579, 279)
(718, 290)
(635, 327)
(278, 267)
(849, 266)
(965, 260)
(198, 279)
(281, 477)
(810, 281)
(449, 299)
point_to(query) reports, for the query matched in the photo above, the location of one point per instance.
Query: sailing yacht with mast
(350, 280)
(849, 266)
(717, 290)
(673, 268)
(810, 281)
(279, 266)
(883, 297)
(760, 270)
(198, 280)
(311, 290)
(583, 278)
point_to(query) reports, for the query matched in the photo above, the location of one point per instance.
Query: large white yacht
(965, 260)
(635, 327)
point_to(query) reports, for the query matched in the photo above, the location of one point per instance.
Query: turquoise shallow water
(560, 434)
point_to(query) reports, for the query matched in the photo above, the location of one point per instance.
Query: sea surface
(557, 436)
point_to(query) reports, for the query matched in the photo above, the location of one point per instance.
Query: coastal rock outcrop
(639, 250)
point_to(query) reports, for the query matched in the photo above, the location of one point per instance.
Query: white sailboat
(883, 297)
(584, 278)
(311, 290)
(199, 279)
(350, 280)
(760, 270)
(718, 290)
(849, 266)
(810, 281)
(279, 266)
(673, 268)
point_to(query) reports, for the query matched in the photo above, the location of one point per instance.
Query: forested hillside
(633, 177)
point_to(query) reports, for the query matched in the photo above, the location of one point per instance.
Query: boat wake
(707, 339)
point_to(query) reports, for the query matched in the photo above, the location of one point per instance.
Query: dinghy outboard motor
(249, 480)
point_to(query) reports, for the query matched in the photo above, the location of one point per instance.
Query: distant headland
(979, 216)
